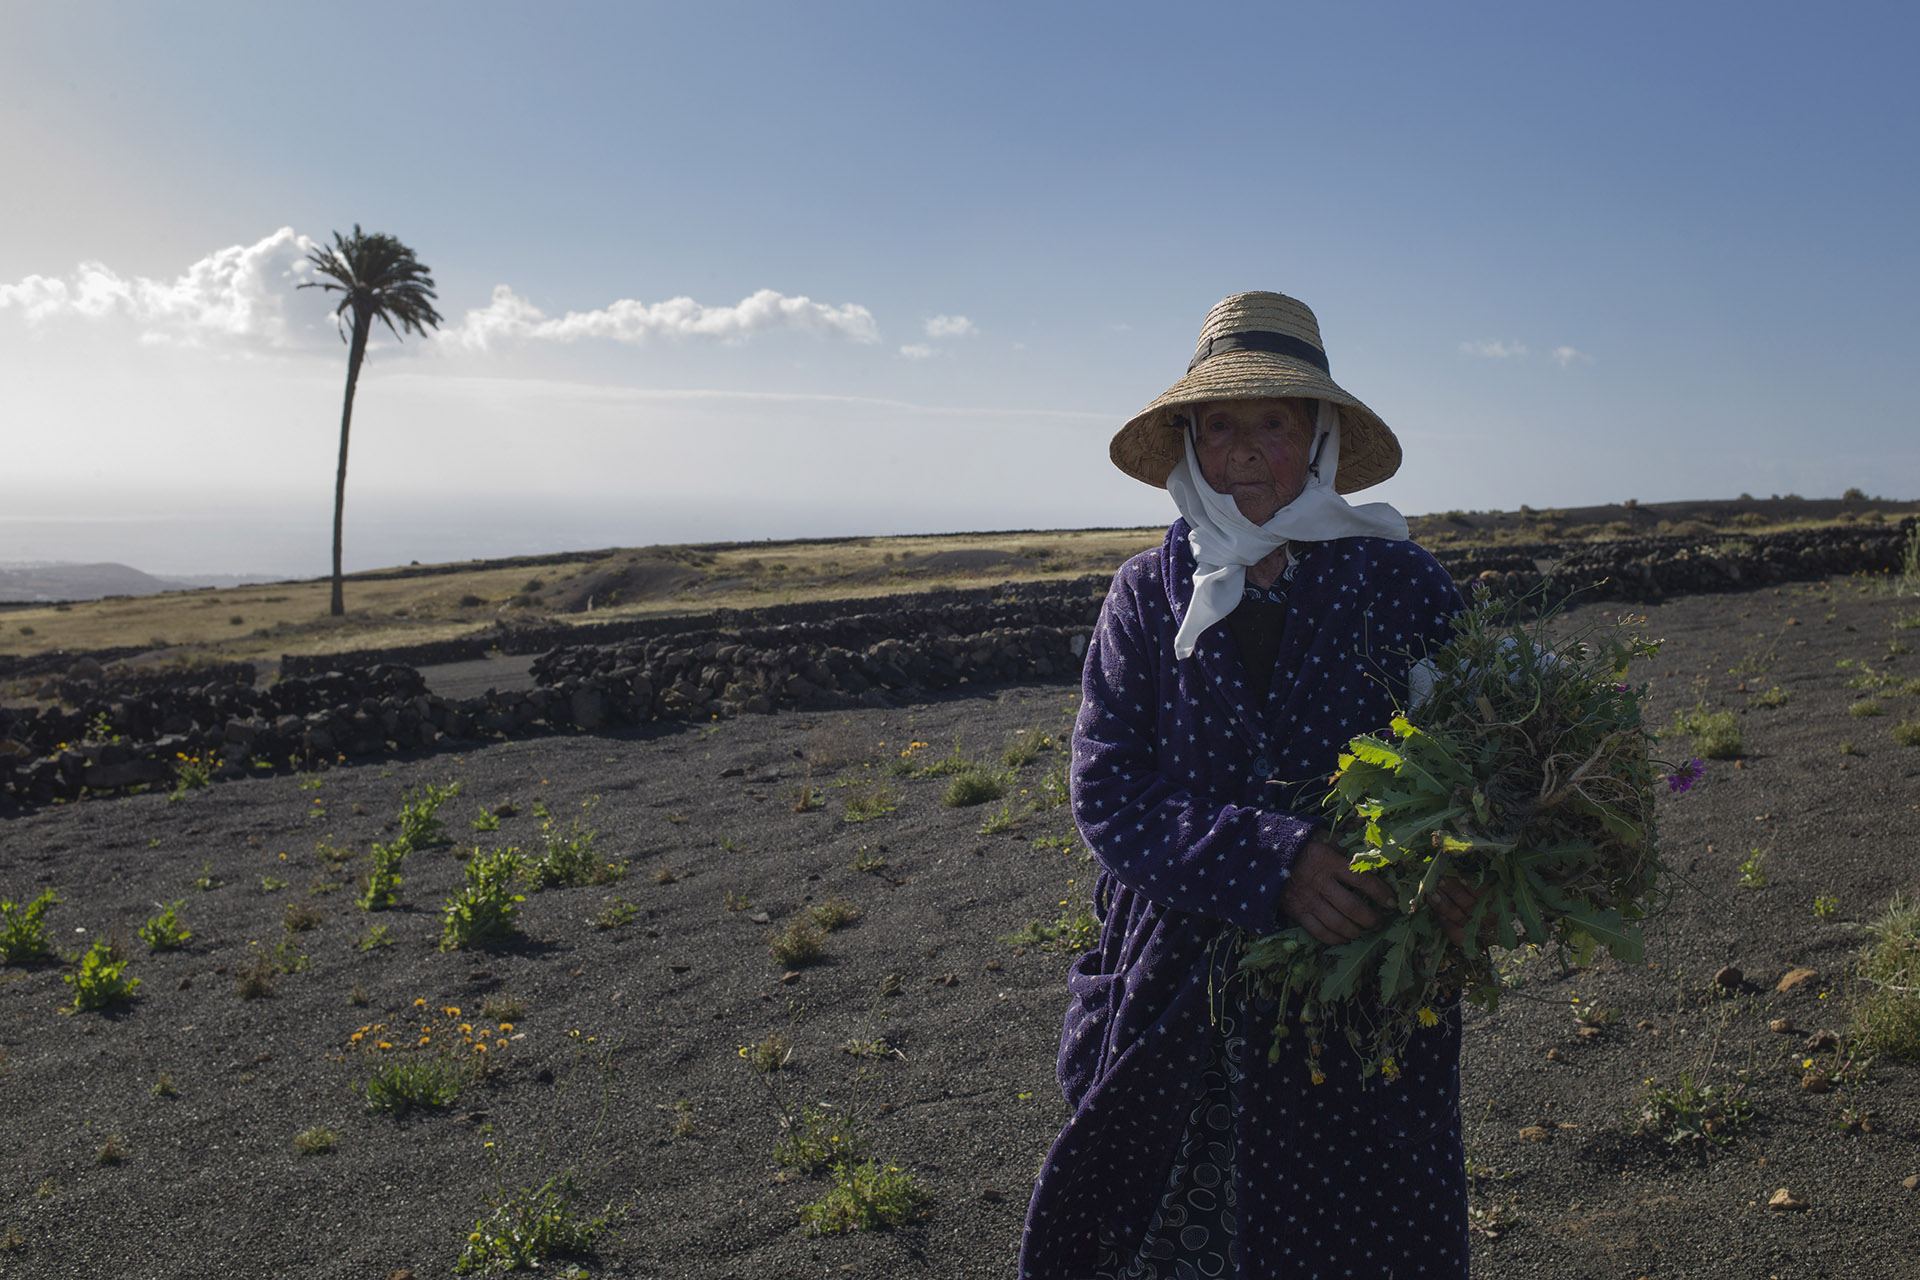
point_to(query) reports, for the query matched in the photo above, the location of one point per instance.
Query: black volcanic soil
(680, 1131)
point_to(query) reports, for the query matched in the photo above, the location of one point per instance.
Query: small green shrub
(567, 858)
(288, 958)
(617, 913)
(1053, 790)
(164, 932)
(1865, 707)
(1753, 870)
(975, 786)
(1005, 818)
(769, 1054)
(164, 1087)
(382, 892)
(1026, 747)
(315, 1140)
(868, 801)
(816, 1138)
(191, 772)
(1826, 906)
(399, 1085)
(529, 1226)
(420, 825)
(503, 1006)
(1774, 697)
(484, 910)
(949, 765)
(486, 820)
(23, 935)
(1715, 734)
(865, 1197)
(1907, 733)
(334, 856)
(300, 917)
(254, 981)
(1076, 930)
(101, 979)
(375, 936)
(1687, 1113)
(800, 943)
(834, 913)
(1886, 1012)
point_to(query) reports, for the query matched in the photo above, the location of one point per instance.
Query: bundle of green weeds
(1525, 772)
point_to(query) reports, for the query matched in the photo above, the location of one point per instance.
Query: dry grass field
(415, 604)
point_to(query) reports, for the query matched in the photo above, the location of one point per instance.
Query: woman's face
(1255, 452)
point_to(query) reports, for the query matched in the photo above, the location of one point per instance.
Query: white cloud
(233, 295)
(918, 351)
(1494, 349)
(511, 317)
(950, 327)
(1567, 355)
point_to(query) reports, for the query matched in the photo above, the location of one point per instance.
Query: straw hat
(1252, 346)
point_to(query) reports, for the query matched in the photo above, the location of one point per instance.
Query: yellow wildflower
(1428, 1017)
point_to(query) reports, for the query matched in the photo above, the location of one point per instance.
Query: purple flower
(1683, 778)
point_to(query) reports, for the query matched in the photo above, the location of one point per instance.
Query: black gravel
(655, 1112)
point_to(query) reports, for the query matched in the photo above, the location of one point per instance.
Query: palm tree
(379, 279)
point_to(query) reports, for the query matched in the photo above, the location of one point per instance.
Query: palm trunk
(362, 324)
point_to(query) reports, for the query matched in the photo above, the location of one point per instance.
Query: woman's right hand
(1329, 899)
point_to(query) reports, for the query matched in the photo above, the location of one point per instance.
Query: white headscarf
(1225, 542)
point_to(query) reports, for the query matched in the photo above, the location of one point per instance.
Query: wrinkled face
(1255, 452)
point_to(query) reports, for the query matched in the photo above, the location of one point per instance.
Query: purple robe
(1173, 769)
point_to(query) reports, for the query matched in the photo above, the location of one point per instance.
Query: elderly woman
(1229, 667)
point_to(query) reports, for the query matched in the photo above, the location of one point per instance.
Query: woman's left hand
(1453, 901)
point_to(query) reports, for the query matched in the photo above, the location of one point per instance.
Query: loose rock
(1794, 977)
(1785, 1201)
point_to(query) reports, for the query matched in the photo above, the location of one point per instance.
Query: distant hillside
(43, 583)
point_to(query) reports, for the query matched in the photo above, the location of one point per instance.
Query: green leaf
(1353, 957)
(1374, 752)
(1528, 908)
(1606, 927)
(1396, 969)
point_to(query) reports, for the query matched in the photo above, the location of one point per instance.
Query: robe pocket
(1088, 1027)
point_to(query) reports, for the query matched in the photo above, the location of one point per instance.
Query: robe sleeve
(1153, 832)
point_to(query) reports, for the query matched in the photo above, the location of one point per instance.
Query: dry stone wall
(111, 732)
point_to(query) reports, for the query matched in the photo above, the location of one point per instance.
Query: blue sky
(931, 257)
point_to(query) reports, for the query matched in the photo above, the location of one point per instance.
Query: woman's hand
(1453, 901)
(1329, 899)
